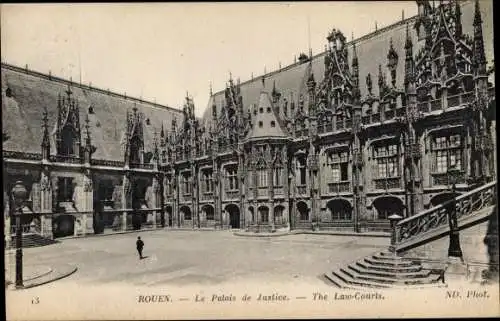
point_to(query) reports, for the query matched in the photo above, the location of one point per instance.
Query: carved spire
(392, 62)
(458, 20)
(479, 59)
(369, 84)
(46, 138)
(409, 62)
(355, 75)
(275, 94)
(88, 149)
(381, 81)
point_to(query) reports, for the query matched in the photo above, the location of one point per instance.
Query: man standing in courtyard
(140, 246)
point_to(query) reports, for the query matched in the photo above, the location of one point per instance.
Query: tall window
(65, 189)
(168, 186)
(387, 161)
(262, 177)
(277, 176)
(135, 146)
(302, 170)
(67, 148)
(106, 189)
(232, 178)
(447, 152)
(186, 184)
(207, 182)
(338, 163)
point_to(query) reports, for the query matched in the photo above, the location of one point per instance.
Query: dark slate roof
(371, 49)
(31, 92)
(266, 115)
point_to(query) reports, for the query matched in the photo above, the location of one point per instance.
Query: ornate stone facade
(333, 152)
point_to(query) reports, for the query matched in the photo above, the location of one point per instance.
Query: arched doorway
(387, 206)
(209, 212)
(264, 214)
(234, 215)
(340, 209)
(279, 210)
(442, 198)
(64, 225)
(168, 210)
(185, 212)
(303, 211)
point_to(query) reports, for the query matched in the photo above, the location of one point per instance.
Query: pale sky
(159, 51)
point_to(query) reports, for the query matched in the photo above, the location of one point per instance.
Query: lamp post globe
(19, 194)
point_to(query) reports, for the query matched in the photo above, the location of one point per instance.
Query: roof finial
(376, 28)
(352, 35)
(211, 93)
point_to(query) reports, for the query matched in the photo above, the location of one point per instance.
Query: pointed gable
(265, 123)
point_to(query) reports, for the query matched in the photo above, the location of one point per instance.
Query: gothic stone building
(340, 140)
(85, 155)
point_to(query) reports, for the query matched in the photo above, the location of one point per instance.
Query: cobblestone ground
(181, 258)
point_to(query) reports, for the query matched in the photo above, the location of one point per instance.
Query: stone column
(88, 203)
(155, 188)
(7, 226)
(46, 204)
(125, 196)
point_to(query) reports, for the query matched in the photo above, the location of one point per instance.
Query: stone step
(390, 281)
(390, 258)
(389, 268)
(395, 275)
(381, 262)
(338, 282)
(33, 240)
(351, 281)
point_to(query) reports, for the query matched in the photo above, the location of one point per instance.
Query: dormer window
(261, 110)
(273, 123)
(268, 109)
(148, 122)
(8, 92)
(68, 140)
(91, 110)
(260, 124)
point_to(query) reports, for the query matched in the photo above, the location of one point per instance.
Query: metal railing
(141, 166)
(388, 183)
(22, 155)
(103, 162)
(339, 187)
(445, 179)
(65, 159)
(302, 189)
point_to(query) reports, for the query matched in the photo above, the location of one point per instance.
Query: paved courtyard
(180, 258)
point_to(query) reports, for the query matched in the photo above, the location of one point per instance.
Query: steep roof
(371, 50)
(31, 92)
(265, 124)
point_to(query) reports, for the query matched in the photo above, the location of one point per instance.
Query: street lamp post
(19, 194)
(454, 249)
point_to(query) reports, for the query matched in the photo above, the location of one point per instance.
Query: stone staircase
(383, 270)
(391, 269)
(33, 240)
